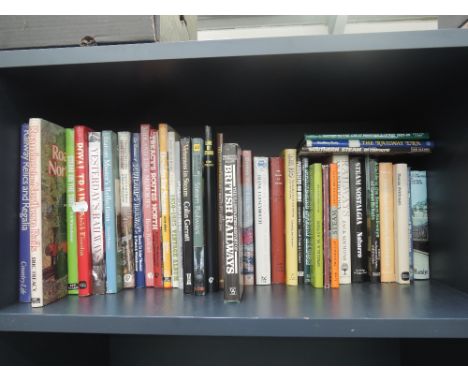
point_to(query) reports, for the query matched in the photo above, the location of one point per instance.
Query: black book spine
(187, 254)
(374, 260)
(300, 244)
(357, 192)
(233, 279)
(211, 227)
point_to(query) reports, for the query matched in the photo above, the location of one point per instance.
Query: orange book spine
(334, 244)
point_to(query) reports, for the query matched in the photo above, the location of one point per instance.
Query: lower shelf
(427, 309)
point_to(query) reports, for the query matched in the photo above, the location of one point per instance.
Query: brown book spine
(278, 272)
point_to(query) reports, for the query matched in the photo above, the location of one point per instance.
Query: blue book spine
(138, 243)
(110, 219)
(24, 255)
(354, 143)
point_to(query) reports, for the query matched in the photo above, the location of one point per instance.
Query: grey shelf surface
(424, 310)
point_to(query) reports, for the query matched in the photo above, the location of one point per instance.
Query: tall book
(290, 213)
(96, 213)
(24, 254)
(147, 211)
(83, 224)
(187, 217)
(344, 228)
(334, 242)
(326, 226)
(171, 140)
(199, 272)
(262, 221)
(112, 212)
(126, 215)
(248, 261)
(232, 190)
(374, 209)
(401, 218)
(410, 228)
(157, 255)
(219, 185)
(47, 213)
(306, 233)
(358, 219)
(137, 210)
(210, 194)
(165, 204)
(420, 227)
(300, 247)
(387, 244)
(278, 260)
(316, 207)
(180, 244)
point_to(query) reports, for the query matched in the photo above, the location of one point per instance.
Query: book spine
(157, 260)
(82, 211)
(374, 263)
(233, 222)
(165, 205)
(334, 242)
(365, 150)
(420, 227)
(126, 217)
(24, 254)
(179, 214)
(306, 221)
(35, 212)
(198, 228)
(326, 226)
(248, 219)
(171, 139)
(146, 206)
(410, 229)
(262, 221)
(344, 229)
(387, 249)
(300, 248)
(356, 143)
(278, 268)
(290, 197)
(401, 209)
(219, 166)
(137, 209)
(210, 194)
(96, 213)
(358, 218)
(185, 149)
(316, 204)
(111, 211)
(384, 136)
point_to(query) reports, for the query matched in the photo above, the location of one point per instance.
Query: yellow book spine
(290, 196)
(165, 210)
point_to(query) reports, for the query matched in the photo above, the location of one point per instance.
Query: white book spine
(172, 208)
(179, 212)
(262, 221)
(401, 209)
(35, 212)
(344, 230)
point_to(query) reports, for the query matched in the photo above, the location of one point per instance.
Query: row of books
(102, 211)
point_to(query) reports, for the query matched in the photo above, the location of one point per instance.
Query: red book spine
(155, 208)
(278, 268)
(81, 208)
(146, 196)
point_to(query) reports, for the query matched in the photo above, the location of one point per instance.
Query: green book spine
(316, 216)
(72, 252)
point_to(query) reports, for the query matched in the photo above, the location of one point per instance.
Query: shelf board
(424, 310)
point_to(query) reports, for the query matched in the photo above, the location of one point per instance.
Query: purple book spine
(326, 227)
(24, 259)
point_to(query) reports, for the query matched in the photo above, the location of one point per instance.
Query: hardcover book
(358, 218)
(366, 136)
(112, 212)
(248, 219)
(420, 225)
(219, 166)
(326, 226)
(179, 215)
(306, 233)
(316, 205)
(199, 272)
(126, 217)
(300, 248)
(96, 213)
(278, 260)
(83, 224)
(24, 254)
(262, 221)
(233, 246)
(137, 210)
(374, 208)
(47, 198)
(334, 243)
(210, 194)
(171, 140)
